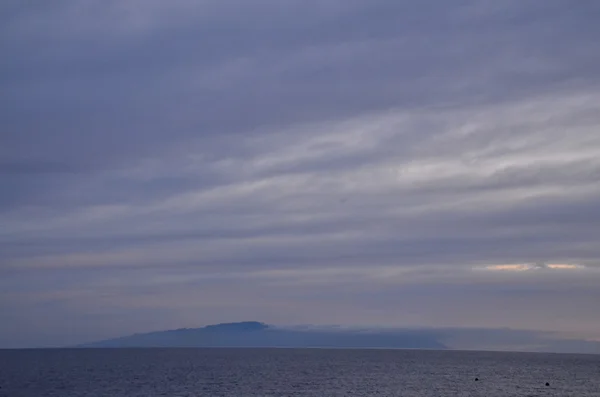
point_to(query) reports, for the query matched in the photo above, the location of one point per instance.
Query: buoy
(547, 384)
(476, 379)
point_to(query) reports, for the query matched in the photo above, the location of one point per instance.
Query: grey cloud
(358, 73)
(34, 167)
(155, 142)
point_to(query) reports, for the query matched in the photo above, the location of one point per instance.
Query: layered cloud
(365, 162)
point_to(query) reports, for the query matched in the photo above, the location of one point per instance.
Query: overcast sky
(169, 164)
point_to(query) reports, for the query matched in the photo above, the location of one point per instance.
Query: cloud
(340, 149)
(534, 267)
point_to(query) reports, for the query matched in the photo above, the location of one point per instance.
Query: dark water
(288, 372)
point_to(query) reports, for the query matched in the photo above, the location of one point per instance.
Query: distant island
(257, 334)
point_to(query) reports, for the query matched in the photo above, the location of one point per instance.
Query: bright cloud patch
(532, 267)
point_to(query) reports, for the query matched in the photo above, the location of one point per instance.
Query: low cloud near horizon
(421, 163)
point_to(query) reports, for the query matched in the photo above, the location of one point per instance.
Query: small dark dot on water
(547, 384)
(476, 379)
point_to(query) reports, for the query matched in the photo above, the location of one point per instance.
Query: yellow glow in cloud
(563, 266)
(529, 267)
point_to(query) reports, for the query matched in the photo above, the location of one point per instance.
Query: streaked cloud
(533, 266)
(283, 161)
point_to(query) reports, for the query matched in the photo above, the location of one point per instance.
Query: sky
(405, 163)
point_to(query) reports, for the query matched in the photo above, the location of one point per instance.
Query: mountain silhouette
(257, 334)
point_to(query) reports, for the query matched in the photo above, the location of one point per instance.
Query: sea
(293, 372)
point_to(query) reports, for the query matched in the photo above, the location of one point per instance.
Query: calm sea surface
(291, 372)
